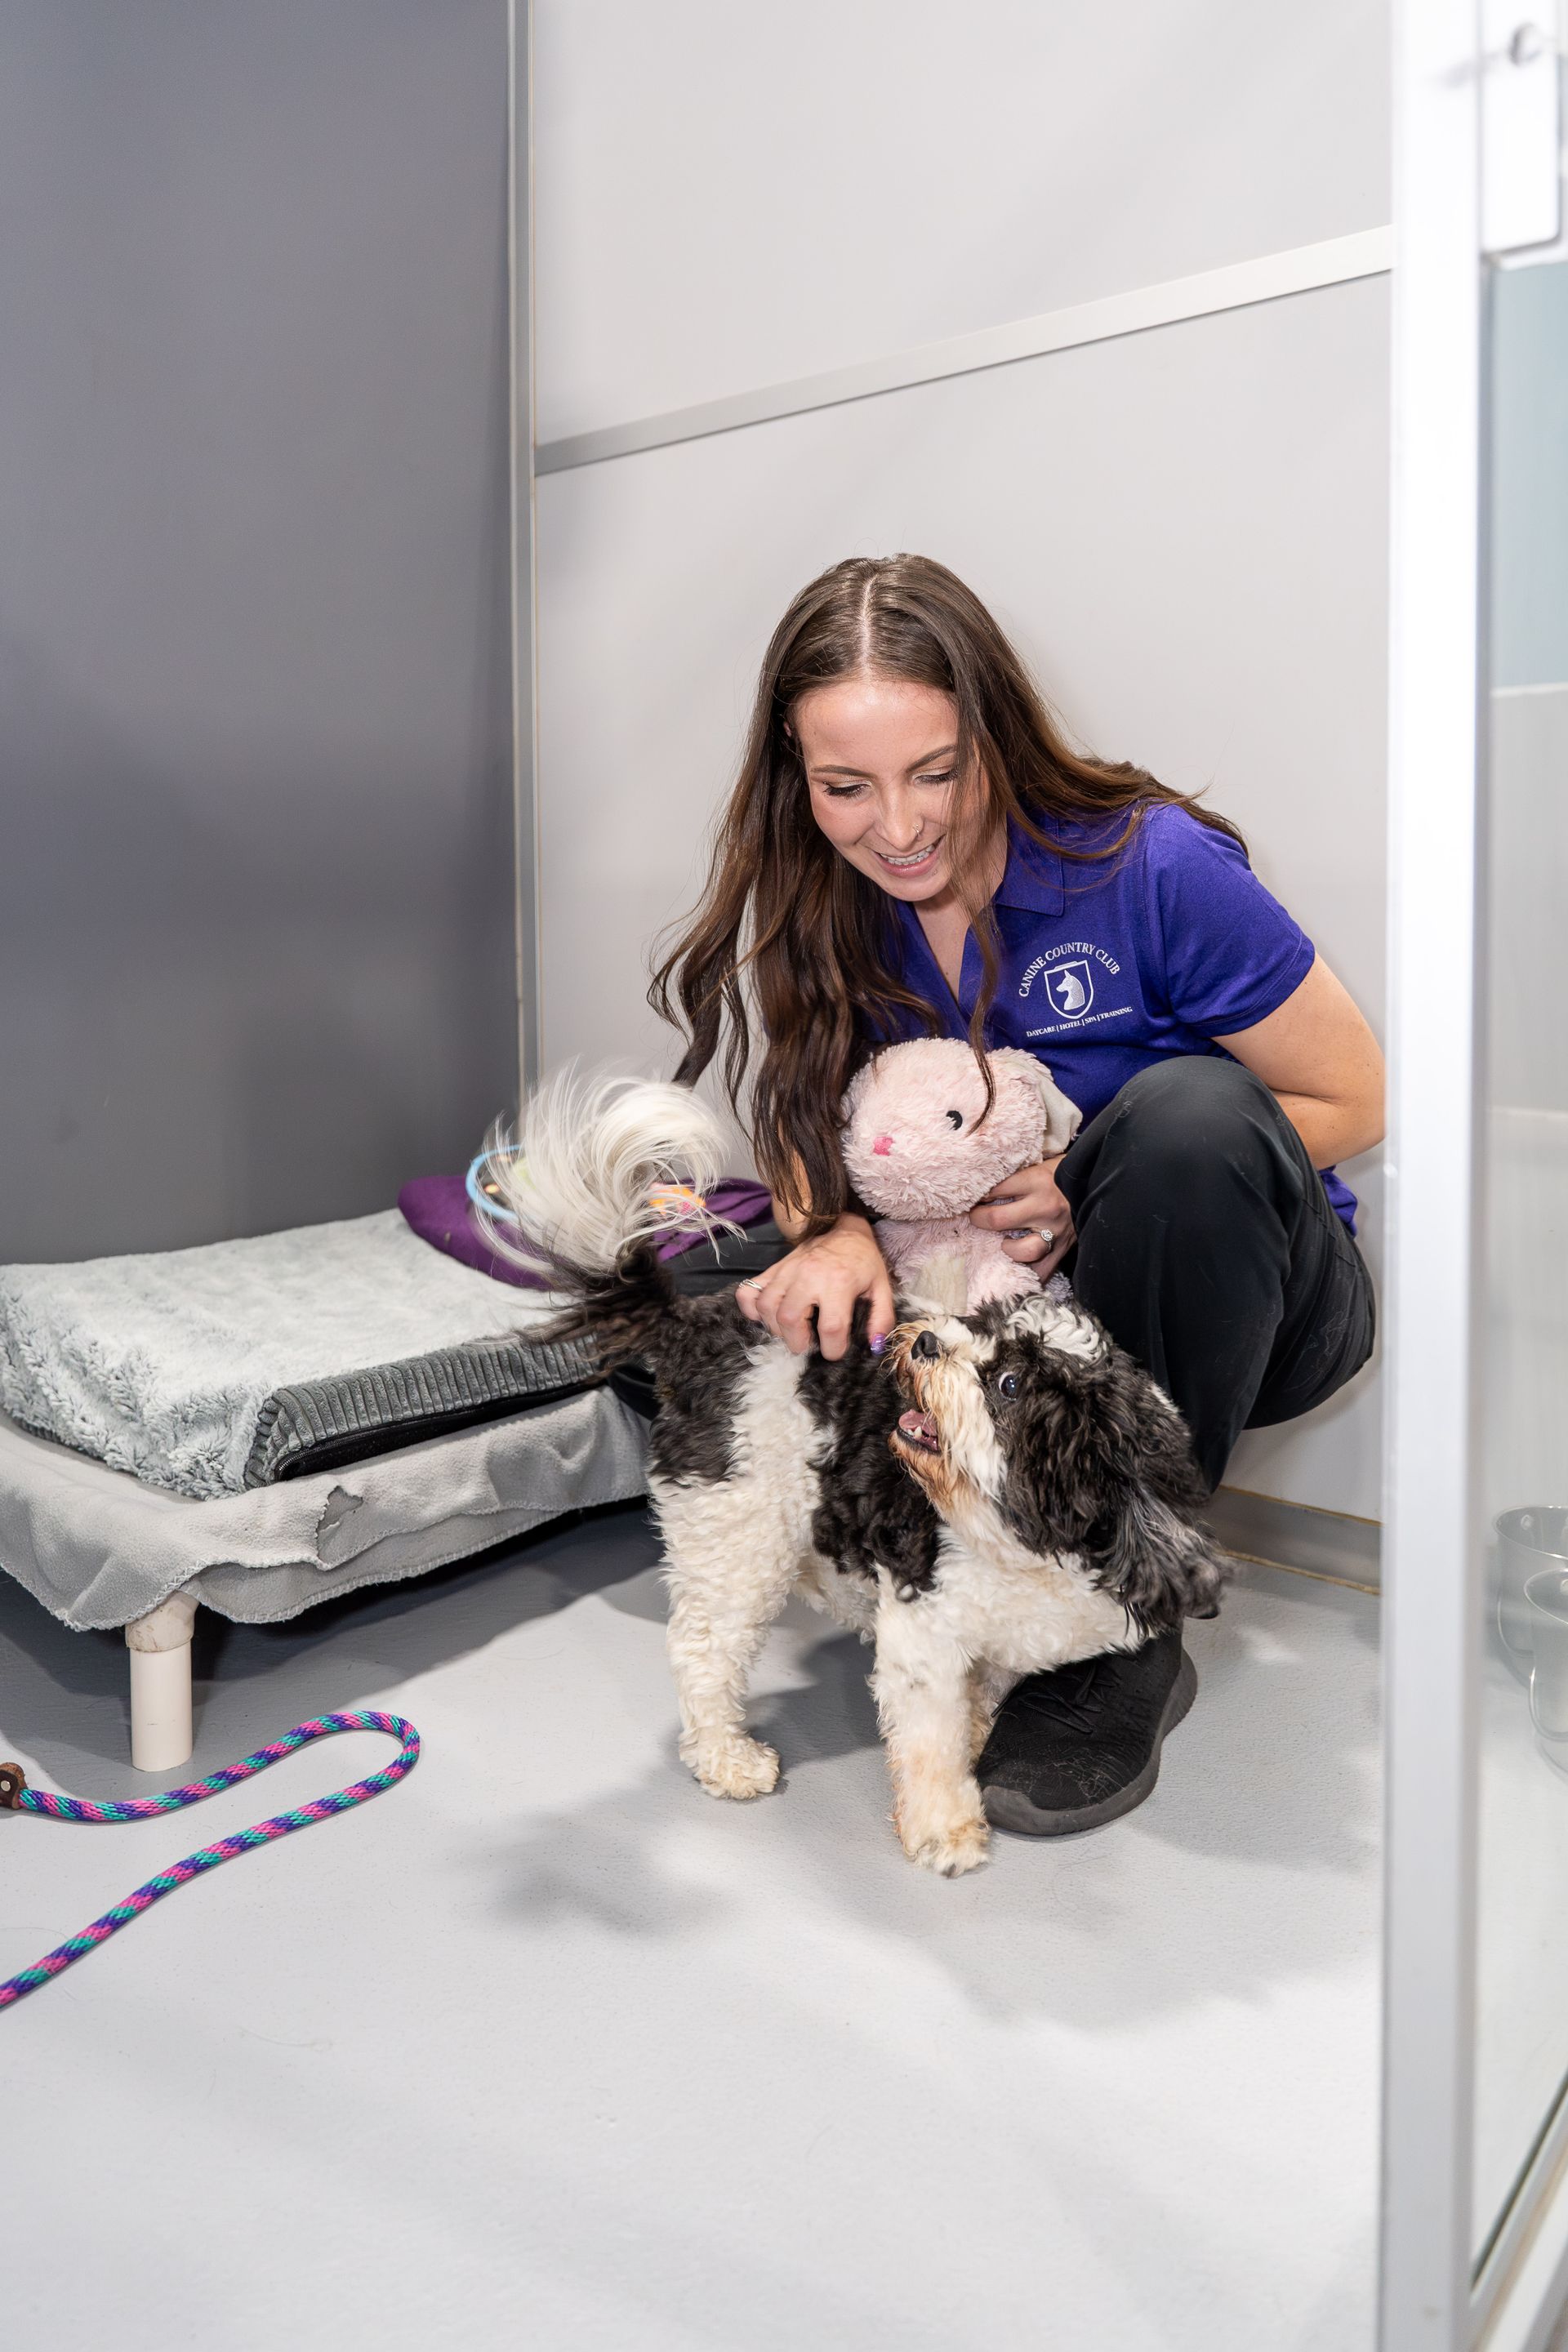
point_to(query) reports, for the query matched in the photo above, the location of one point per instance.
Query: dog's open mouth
(920, 1429)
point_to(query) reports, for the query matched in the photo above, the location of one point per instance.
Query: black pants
(716, 1265)
(1205, 1244)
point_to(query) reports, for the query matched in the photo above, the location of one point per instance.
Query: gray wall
(256, 958)
(1527, 840)
(1529, 476)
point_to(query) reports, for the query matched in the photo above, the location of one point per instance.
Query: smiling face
(879, 755)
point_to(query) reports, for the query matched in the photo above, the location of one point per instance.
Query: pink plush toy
(921, 1154)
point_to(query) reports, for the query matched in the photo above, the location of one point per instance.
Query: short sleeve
(1227, 953)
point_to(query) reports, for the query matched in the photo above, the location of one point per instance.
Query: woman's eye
(955, 1118)
(1008, 1384)
(843, 792)
(945, 778)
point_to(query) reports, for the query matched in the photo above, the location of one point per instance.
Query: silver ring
(751, 1283)
(1046, 1235)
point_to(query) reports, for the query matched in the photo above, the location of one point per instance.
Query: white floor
(546, 2048)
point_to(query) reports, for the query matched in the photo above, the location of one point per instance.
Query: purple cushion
(439, 1210)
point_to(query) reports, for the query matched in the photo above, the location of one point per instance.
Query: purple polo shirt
(1111, 966)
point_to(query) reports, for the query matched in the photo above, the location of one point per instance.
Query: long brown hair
(785, 918)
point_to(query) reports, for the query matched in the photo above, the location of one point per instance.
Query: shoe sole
(1010, 1809)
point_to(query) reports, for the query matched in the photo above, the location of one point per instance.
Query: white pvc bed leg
(159, 1645)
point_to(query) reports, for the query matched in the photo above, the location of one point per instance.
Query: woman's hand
(1023, 1208)
(828, 1277)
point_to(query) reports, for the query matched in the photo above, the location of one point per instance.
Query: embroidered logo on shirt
(1070, 987)
(1069, 976)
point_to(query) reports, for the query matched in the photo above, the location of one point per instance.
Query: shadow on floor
(1267, 1786)
(1253, 1864)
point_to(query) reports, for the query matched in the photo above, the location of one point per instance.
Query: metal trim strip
(1301, 269)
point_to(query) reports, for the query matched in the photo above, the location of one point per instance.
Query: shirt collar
(1032, 879)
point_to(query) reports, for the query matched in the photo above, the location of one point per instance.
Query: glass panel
(1523, 1954)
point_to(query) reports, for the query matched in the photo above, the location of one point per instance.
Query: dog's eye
(1008, 1384)
(956, 1117)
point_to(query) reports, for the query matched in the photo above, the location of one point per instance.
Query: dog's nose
(927, 1345)
(882, 1146)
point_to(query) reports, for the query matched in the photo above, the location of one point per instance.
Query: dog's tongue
(917, 1424)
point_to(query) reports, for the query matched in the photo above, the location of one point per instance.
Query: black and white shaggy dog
(996, 1493)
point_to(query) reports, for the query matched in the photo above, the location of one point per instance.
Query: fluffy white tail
(583, 1175)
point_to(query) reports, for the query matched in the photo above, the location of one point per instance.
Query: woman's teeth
(914, 857)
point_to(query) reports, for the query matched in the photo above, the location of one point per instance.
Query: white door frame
(1433, 1541)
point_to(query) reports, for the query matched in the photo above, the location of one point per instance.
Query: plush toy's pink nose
(882, 1146)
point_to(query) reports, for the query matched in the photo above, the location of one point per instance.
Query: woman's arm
(1317, 1056)
(790, 1221)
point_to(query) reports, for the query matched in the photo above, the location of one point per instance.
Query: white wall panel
(728, 196)
(1185, 532)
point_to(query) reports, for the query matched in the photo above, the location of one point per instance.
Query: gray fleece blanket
(208, 1370)
(99, 1549)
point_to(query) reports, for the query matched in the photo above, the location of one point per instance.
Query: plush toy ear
(1063, 1118)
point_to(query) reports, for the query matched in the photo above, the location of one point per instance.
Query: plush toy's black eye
(956, 1116)
(1008, 1384)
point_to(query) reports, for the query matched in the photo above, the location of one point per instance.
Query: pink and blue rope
(173, 1800)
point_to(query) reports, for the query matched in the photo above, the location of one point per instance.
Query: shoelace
(1070, 1695)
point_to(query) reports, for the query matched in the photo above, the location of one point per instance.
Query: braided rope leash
(16, 1797)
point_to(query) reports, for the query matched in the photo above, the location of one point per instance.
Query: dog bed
(209, 1371)
(100, 1549)
(254, 1426)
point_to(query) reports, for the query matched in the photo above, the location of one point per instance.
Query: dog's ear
(1153, 1553)
(1158, 1563)
(1067, 1457)
(1106, 1470)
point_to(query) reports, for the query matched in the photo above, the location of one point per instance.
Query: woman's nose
(901, 821)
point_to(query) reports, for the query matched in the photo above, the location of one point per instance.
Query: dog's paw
(737, 1767)
(952, 1850)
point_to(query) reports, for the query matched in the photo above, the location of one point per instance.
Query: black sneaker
(1079, 1746)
